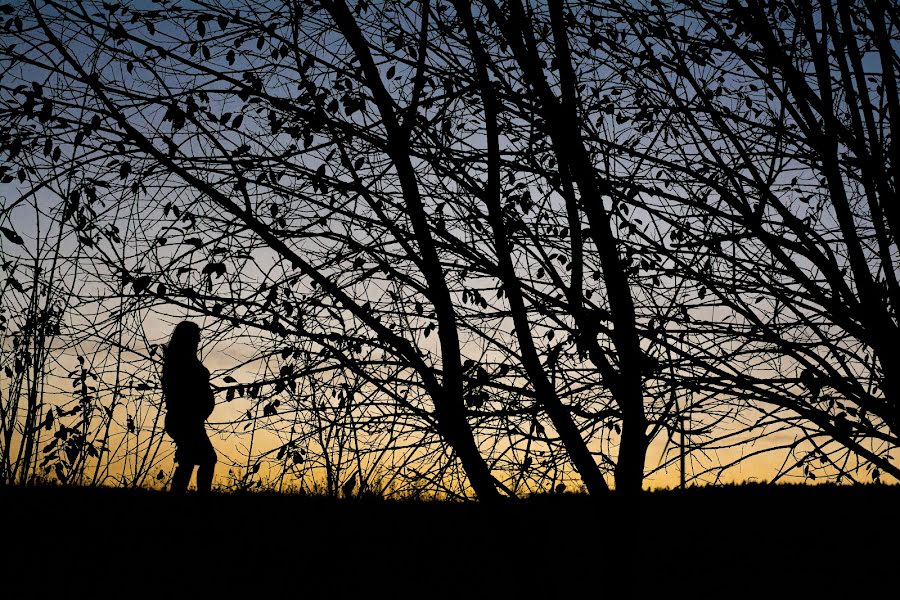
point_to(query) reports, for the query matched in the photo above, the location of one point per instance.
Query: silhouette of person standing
(189, 402)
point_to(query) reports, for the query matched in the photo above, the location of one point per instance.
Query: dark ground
(731, 542)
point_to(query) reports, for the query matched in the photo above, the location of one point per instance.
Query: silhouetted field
(726, 542)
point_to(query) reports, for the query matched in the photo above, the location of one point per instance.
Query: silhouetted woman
(189, 402)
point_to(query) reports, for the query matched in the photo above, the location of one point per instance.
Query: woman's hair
(184, 341)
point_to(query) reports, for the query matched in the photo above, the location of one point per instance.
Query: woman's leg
(207, 466)
(205, 477)
(181, 478)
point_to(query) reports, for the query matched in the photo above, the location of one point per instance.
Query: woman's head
(184, 341)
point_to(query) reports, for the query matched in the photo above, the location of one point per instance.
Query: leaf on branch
(201, 27)
(141, 283)
(12, 236)
(214, 268)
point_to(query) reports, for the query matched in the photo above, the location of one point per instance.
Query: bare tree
(493, 247)
(775, 124)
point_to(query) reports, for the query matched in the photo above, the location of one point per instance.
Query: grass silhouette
(752, 540)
